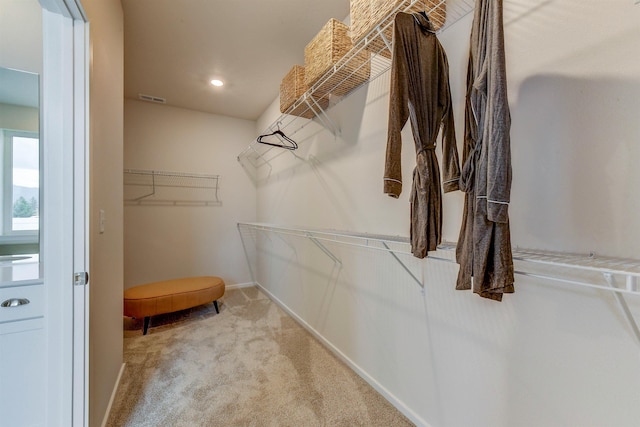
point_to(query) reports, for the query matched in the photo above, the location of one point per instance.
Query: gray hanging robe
(484, 246)
(420, 91)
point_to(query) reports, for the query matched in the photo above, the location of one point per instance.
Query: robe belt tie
(420, 174)
(425, 148)
(468, 174)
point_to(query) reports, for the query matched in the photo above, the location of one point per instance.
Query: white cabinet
(23, 378)
(32, 302)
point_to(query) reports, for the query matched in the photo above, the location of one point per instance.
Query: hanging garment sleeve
(450, 161)
(498, 123)
(398, 116)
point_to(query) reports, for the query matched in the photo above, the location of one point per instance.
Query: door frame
(65, 235)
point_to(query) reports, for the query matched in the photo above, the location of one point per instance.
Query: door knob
(15, 302)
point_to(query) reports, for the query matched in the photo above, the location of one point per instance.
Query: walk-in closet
(347, 212)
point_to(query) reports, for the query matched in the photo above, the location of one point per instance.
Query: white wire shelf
(629, 268)
(150, 187)
(346, 74)
(575, 270)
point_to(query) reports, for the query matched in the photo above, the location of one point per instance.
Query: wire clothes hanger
(424, 14)
(283, 140)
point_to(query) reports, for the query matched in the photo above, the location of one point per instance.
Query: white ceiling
(173, 48)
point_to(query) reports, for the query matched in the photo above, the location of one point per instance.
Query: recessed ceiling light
(217, 82)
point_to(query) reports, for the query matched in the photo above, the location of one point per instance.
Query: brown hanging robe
(484, 246)
(420, 91)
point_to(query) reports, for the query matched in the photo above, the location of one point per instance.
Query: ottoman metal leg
(146, 325)
(215, 304)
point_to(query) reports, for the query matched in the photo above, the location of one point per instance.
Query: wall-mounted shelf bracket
(631, 285)
(322, 115)
(386, 41)
(404, 266)
(324, 249)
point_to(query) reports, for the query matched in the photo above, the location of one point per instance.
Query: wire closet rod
(146, 185)
(604, 265)
(607, 266)
(167, 174)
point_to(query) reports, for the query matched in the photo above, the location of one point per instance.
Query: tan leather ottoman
(147, 300)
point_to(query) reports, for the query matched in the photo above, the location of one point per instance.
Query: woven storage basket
(324, 51)
(292, 88)
(368, 14)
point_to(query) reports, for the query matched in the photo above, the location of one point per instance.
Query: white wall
(106, 250)
(165, 242)
(546, 356)
(19, 117)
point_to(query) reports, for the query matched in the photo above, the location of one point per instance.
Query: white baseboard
(415, 418)
(113, 396)
(240, 285)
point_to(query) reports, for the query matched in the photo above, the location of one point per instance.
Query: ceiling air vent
(152, 98)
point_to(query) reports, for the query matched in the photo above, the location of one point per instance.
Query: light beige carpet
(250, 365)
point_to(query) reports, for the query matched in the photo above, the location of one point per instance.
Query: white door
(44, 321)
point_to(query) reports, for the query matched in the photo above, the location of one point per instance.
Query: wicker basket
(292, 88)
(324, 51)
(368, 14)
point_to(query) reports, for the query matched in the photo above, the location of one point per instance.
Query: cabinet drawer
(34, 308)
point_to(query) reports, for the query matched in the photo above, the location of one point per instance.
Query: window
(21, 186)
